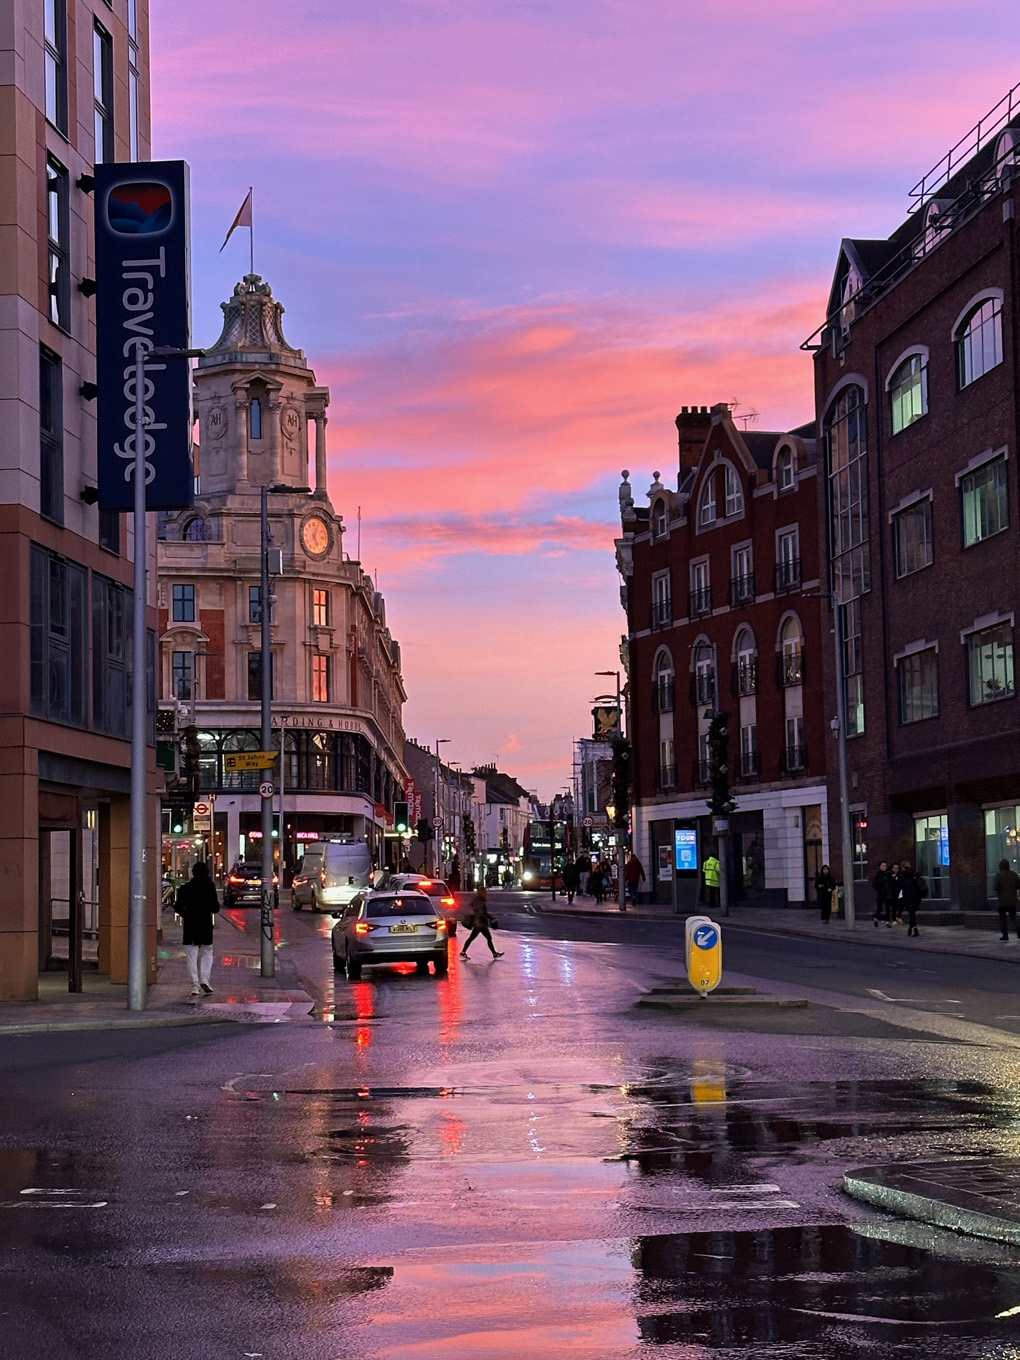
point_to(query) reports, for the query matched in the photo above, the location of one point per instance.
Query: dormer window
(734, 496)
(707, 510)
(660, 519)
(785, 479)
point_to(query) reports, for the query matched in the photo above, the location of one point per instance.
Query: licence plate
(403, 930)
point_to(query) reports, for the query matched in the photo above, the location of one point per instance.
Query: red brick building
(718, 582)
(916, 383)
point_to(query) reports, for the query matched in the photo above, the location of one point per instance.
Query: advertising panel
(686, 849)
(143, 303)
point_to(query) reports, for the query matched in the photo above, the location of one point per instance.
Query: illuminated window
(908, 392)
(320, 679)
(985, 502)
(320, 608)
(979, 342)
(58, 276)
(990, 664)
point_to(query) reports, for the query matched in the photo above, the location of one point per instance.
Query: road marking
(232, 1088)
(912, 1000)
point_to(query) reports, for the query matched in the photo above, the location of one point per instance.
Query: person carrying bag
(480, 921)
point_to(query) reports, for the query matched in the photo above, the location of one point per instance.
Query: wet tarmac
(512, 1161)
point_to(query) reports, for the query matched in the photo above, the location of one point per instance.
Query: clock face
(315, 536)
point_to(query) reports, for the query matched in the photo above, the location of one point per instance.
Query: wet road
(512, 1161)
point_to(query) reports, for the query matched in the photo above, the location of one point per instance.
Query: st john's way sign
(142, 303)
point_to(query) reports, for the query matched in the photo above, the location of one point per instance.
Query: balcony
(699, 602)
(663, 696)
(745, 676)
(741, 590)
(703, 688)
(788, 575)
(662, 614)
(665, 778)
(790, 667)
(701, 775)
(793, 760)
(750, 765)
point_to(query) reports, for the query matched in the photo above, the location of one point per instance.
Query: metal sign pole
(137, 970)
(844, 784)
(268, 949)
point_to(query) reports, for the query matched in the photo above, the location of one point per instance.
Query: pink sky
(514, 238)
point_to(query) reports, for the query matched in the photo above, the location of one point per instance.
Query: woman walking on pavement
(913, 889)
(196, 905)
(825, 886)
(1006, 885)
(479, 920)
(885, 895)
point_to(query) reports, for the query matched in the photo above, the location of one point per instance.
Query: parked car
(389, 927)
(330, 874)
(442, 898)
(244, 886)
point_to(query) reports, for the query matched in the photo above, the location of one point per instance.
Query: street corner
(979, 1196)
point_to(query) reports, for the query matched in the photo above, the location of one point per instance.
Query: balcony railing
(745, 677)
(662, 613)
(663, 696)
(790, 667)
(793, 760)
(701, 774)
(665, 778)
(703, 688)
(788, 575)
(750, 765)
(699, 602)
(741, 590)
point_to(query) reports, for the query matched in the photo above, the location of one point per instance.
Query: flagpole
(251, 227)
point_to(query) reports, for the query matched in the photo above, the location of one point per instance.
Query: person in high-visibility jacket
(713, 872)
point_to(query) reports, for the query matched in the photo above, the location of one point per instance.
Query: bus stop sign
(704, 954)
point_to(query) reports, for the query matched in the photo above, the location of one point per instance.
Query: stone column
(321, 468)
(276, 471)
(241, 439)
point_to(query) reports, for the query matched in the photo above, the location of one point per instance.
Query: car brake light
(440, 924)
(449, 902)
(236, 878)
(363, 927)
(424, 883)
(322, 877)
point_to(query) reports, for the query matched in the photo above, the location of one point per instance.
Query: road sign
(203, 809)
(587, 821)
(249, 760)
(704, 953)
(437, 822)
(266, 789)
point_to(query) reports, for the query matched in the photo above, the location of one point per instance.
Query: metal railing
(745, 677)
(703, 689)
(665, 778)
(969, 145)
(701, 774)
(750, 765)
(699, 602)
(790, 668)
(663, 696)
(662, 613)
(788, 575)
(741, 590)
(793, 760)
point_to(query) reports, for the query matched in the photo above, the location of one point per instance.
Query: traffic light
(621, 782)
(424, 831)
(469, 834)
(721, 804)
(180, 815)
(401, 818)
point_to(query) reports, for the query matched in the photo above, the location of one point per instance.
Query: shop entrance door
(812, 824)
(61, 917)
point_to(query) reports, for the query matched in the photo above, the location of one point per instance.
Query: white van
(330, 874)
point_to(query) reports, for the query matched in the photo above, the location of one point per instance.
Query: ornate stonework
(253, 320)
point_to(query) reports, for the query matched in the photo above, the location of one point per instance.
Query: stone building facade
(337, 688)
(74, 90)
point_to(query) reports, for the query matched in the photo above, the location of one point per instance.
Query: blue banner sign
(143, 303)
(686, 849)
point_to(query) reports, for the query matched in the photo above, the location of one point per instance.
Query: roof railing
(968, 145)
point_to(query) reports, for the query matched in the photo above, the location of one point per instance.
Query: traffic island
(722, 998)
(979, 1196)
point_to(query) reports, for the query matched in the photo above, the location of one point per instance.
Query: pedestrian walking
(896, 906)
(825, 886)
(583, 870)
(712, 872)
(913, 890)
(885, 895)
(479, 920)
(570, 879)
(196, 905)
(597, 883)
(634, 873)
(1007, 886)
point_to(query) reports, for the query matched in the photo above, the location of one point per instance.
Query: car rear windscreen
(412, 905)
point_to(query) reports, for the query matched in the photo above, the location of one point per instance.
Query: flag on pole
(243, 219)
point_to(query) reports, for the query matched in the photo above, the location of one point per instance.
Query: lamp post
(137, 971)
(620, 830)
(839, 728)
(267, 950)
(438, 816)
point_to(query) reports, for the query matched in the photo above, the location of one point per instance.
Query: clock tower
(337, 689)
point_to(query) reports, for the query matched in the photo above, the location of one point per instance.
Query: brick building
(916, 385)
(718, 582)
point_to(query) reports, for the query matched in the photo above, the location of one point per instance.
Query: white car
(390, 927)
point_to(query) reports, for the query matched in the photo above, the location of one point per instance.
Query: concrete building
(337, 687)
(916, 385)
(74, 90)
(720, 574)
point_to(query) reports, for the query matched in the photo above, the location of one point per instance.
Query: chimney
(692, 427)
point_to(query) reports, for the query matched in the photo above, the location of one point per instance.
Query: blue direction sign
(704, 954)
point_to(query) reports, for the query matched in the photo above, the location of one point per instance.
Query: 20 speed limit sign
(266, 789)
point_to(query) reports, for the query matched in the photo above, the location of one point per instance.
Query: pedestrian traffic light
(401, 818)
(424, 831)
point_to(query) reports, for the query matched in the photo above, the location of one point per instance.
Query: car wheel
(313, 903)
(295, 905)
(353, 968)
(422, 965)
(441, 963)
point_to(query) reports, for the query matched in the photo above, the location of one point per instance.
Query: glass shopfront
(931, 848)
(1002, 840)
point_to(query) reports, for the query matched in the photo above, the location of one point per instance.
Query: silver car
(388, 927)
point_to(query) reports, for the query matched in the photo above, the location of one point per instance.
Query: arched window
(734, 496)
(659, 519)
(746, 653)
(665, 687)
(908, 392)
(255, 418)
(707, 510)
(791, 654)
(704, 673)
(194, 530)
(1007, 152)
(979, 341)
(785, 473)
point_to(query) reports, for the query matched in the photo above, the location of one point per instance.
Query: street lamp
(268, 948)
(438, 816)
(620, 838)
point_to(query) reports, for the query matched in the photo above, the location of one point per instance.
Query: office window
(984, 502)
(853, 666)
(183, 604)
(255, 676)
(918, 677)
(133, 85)
(111, 614)
(908, 393)
(320, 679)
(912, 538)
(846, 456)
(183, 675)
(109, 530)
(979, 342)
(58, 669)
(58, 277)
(320, 608)
(51, 437)
(55, 43)
(990, 664)
(734, 497)
(254, 604)
(255, 418)
(102, 89)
